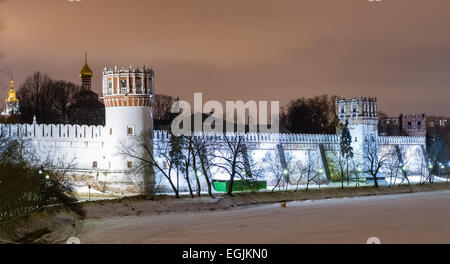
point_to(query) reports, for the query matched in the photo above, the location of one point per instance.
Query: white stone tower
(128, 95)
(362, 118)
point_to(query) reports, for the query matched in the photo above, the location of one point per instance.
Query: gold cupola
(86, 72)
(12, 93)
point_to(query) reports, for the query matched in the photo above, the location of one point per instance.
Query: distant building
(12, 103)
(89, 110)
(413, 125)
(437, 122)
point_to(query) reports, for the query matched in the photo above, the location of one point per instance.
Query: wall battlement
(162, 135)
(46, 132)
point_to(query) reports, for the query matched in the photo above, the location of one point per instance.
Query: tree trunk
(230, 186)
(375, 180)
(199, 187)
(191, 193)
(205, 173)
(348, 176)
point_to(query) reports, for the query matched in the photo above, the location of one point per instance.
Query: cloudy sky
(397, 50)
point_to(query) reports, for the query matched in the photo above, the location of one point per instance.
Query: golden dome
(86, 72)
(12, 94)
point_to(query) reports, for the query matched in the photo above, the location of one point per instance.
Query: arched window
(94, 165)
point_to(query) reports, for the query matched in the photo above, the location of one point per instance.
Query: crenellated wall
(91, 150)
(296, 148)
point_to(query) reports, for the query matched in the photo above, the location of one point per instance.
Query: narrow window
(129, 164)
(110, 131)
(94, 165)
(130, 131)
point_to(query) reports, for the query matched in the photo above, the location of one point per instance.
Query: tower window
(129, 164)
(130, 131)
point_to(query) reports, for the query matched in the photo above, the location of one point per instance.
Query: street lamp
(359, 169)
(320, 174)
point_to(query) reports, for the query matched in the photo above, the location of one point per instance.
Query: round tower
(128, 95)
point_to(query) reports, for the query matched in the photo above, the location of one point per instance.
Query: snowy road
(408, 218)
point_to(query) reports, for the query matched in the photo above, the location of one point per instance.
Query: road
(407, 218)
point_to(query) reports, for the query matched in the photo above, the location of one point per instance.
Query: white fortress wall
(91, 150)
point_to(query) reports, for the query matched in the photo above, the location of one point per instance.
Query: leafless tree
(374, 158)
(310, 169)
(64, 99)
(162, 104)
(204, 147)
(230, 158)
(393, 166)
(287, 173)
(141, 149)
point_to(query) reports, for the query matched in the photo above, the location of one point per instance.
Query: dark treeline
(54, 101)
(316, 115)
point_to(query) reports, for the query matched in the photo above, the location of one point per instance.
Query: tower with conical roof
(12, 103)
(86, 75)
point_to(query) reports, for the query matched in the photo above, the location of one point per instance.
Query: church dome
(12, 94)
(86, 72)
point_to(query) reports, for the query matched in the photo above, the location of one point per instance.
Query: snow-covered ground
(407, 218)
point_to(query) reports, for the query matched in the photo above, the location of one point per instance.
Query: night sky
(397, 50)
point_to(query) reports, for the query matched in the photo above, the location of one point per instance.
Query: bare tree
(204, 147)
(64, 99)
(162, 105)
(230, 156)
(393, 166)
(310, 169)
(374, 159)
(286, 173)
(141, 150)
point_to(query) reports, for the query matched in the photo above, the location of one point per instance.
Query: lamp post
(320, 174)
(357, 178)
(286, 174)
(440, 167)
(448, 171)
(431, 172)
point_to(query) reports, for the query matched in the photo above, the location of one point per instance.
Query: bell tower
(12, 103)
